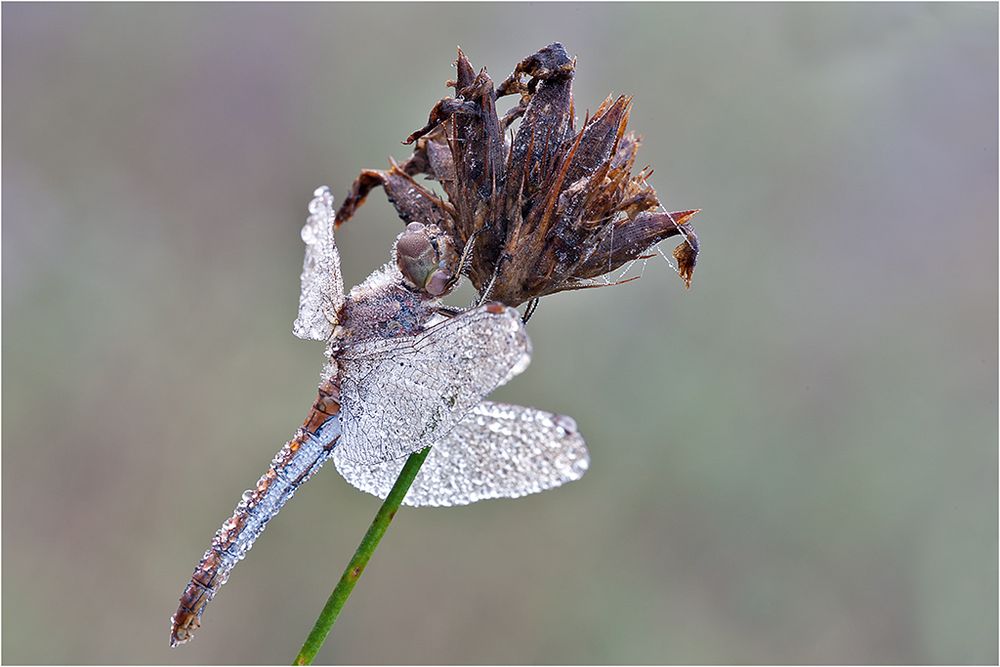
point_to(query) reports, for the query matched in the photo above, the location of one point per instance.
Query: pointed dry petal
(466, 74)
(363, 184)
(630, 239)
(600, 139)
(545, 124)
(413, 202)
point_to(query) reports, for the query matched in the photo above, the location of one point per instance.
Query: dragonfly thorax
(384, 306)
(403, 296)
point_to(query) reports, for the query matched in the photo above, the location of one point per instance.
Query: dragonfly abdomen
(291, 467)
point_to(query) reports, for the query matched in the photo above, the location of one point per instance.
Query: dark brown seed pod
(546, 209)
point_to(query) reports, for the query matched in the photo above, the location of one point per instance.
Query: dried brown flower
(545, 211)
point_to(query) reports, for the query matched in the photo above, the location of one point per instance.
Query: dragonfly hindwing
(497, 451)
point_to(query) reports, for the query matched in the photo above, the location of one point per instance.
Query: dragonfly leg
(449, 311)
(530, 310)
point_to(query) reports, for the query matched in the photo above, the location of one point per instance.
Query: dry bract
(547, 207)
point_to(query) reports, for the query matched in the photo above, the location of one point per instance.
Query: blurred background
(794, 461)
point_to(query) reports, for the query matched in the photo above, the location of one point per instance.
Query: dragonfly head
(427, 259)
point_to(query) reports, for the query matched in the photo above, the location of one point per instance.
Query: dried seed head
(548, 211)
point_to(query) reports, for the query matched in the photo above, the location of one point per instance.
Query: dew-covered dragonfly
(405, 372)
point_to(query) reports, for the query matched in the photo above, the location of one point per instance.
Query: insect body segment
(291, 467)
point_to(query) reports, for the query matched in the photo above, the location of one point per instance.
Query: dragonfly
(405, 372)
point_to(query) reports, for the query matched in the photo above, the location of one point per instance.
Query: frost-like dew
(291, 467)
(402, 374)
(497, 451)
(322, 292)
(399, 395)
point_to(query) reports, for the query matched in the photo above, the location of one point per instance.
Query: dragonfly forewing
(400, 395)
(497, 451)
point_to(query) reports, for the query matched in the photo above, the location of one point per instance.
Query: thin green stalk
(327, 617)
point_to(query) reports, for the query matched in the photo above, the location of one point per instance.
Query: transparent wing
(399, 395)
(497, 451)
(322, 292)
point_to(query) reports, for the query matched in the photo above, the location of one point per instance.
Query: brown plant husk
(548, 211)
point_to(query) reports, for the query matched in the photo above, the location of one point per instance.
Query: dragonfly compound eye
(427, 259)
(439, 283)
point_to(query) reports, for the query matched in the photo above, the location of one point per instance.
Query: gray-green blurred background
(794, 461)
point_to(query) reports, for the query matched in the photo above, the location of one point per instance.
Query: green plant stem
(337, 599)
